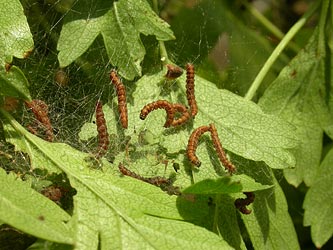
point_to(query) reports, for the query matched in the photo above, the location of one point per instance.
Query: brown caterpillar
(184, 117)
(173, 72)
(190, 89)
(103, 136)
(220, 151)
(121, 93)
(193, 144)
(241, 204)
(160, 104)
(156, 181)
(40, 110)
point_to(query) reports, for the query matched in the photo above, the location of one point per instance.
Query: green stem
(322, 25)
(278, 50)
(268, 25)
(163, 51)
(216, 214)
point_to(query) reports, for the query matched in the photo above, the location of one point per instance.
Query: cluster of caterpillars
(40, 110)
(173, 108)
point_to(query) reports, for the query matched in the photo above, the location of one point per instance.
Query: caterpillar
(220, 151)
(121, 93)
(40, 110)
(156, 181)
(184, 117)
(190, 89)
(103, 136)
(193, 144)
(241, 204)
(160, 104)
(173, 72)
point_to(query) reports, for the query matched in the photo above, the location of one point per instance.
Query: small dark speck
(41, 217)
(293, 73)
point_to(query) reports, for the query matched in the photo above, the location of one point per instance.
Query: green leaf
(119, 24)
(43, 245)
(14, 83)
(299, 95)
(318, 203)
(109, 207)
(242, 126)
(269, 225)
(214, 212)
(226, 185)
(29, 211)
(15, 37)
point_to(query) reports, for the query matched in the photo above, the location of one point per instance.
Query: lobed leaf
(269, 225)
(120, 23)
(318, 203)
(15, 37)
(298, 96)
(27, 210)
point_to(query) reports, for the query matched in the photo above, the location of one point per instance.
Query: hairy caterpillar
(121, 93)
(156, 181)
(220, 151)
(40, 110)
(160, 104)
(190, 89)
(184, 117)
(241, 204)
(103, 136)
(193, 144)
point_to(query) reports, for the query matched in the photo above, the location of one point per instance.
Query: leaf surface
(242, 126)
(226, 185)
(120, 23)
(113, 211)
(269, 225)
(15, 37)
(318, 203)
(298, 96)
(27, 210)
(14, 83)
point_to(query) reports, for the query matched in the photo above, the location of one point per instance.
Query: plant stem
(322, 24)
(163, 51)
(269, 25)
(277, 51)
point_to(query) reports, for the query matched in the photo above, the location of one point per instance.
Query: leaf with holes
(120, 23)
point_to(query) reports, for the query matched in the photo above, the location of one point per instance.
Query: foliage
(63, 56)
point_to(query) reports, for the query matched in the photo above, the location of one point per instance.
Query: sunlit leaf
(15, 37)
(120, 23)
(29, 211)
(111, 210)
(243, 128)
